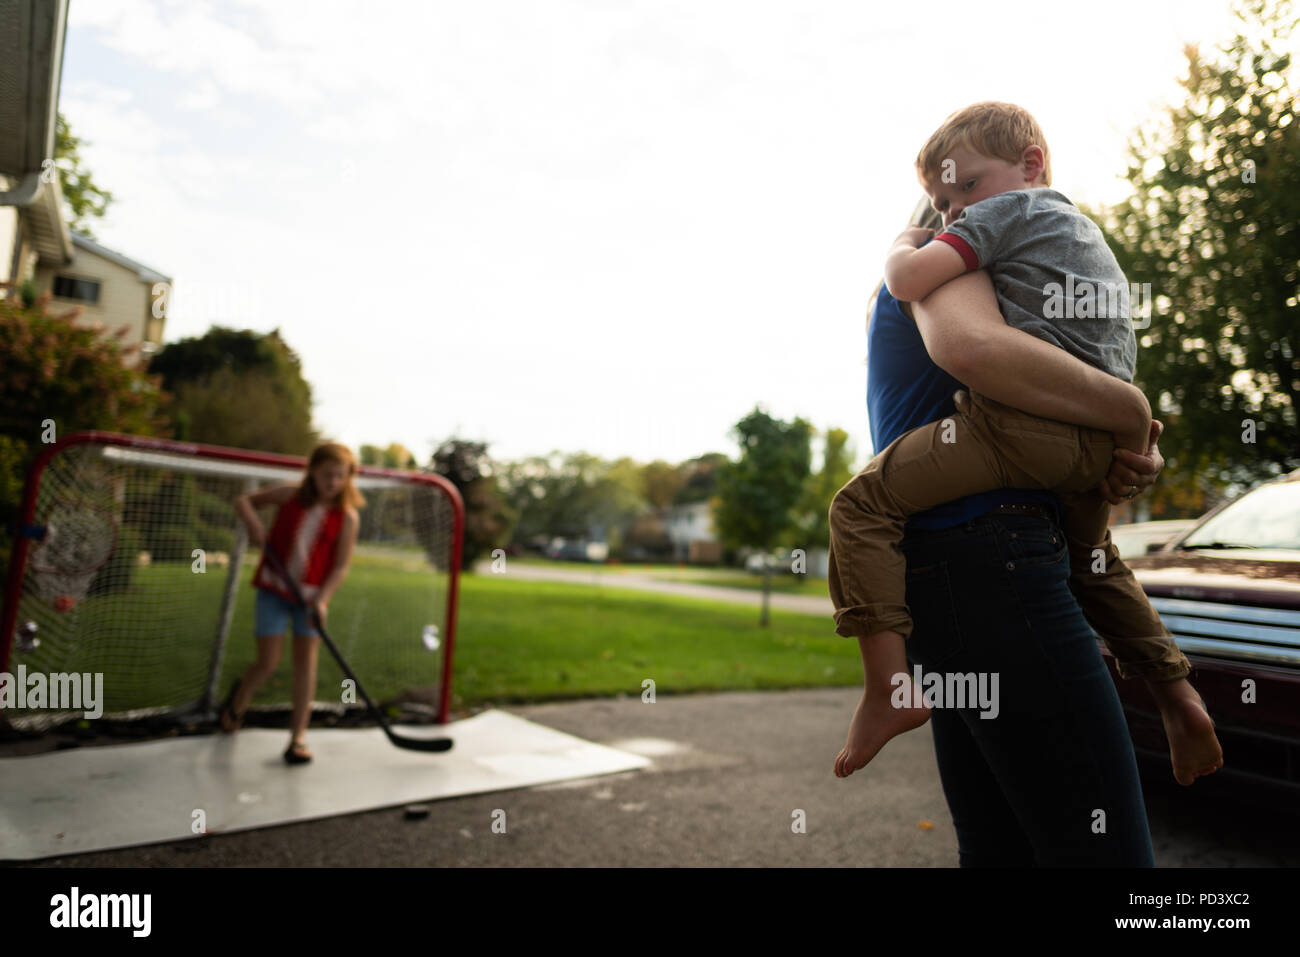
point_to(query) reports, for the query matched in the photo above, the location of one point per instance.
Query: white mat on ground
(97, 798)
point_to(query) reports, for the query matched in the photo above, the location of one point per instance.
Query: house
(111, 289)
(36, 244)
(690, 529)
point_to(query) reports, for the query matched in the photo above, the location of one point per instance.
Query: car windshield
(1268, 517)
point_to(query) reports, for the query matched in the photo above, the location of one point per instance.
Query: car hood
(1253, 576)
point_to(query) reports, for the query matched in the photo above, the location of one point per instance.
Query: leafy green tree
(84, 199)
(246, 410)
(660, 483)
(487, 520)
(835, 472)
(238, 387)
(395, 456)
(1214, 226)
(571, 496)
(525, 484)
(758, 494)
(620, 496)
(55, 371)
(700, 478)
(243, 350)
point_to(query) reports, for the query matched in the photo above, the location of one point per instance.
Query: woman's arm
(966, 336)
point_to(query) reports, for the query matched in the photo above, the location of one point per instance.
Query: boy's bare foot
(875, 721)
(1194, 748)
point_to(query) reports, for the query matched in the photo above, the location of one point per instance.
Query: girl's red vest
(306, 540)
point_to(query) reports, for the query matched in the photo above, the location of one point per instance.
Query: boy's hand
(320, 607)
(915, 236)
(1130, 472)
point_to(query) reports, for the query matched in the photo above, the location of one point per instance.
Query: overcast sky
(606, 226)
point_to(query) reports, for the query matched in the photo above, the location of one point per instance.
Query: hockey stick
(411, 744)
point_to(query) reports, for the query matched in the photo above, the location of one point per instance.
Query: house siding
(124, 299)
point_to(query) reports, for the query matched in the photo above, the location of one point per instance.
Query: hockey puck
(415, 812)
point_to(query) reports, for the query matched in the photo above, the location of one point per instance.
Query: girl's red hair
(308, 494)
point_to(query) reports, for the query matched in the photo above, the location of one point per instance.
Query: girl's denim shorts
(273, 612)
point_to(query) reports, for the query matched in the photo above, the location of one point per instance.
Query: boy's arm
(912, 273)
(965, 335)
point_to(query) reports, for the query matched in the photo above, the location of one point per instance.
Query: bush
(171, 543)
(73, 376)
(215, 538)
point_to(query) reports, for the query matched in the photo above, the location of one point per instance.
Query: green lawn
(154, 641)
(517, 640)
(529, 641)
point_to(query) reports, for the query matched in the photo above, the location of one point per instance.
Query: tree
(84, 199)
(815, 505)
(246, 410)
(757, 495)
(238, 387)
(395, 456)
(1214, 226)
(242, 350)
(487, 520)
(647, 534)
(700, 478)
(660, 483)
(619, 496)
(55, 372)
(577, 496)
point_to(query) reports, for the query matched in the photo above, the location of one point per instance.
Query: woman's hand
(320, 607)
(1131, 473)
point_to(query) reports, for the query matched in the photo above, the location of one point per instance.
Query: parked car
(577, 550)
(1228, 589)
(776, 561)
(1139, 538)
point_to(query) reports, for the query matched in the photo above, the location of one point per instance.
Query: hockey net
(131, 564)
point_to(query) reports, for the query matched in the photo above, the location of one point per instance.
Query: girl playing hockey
(313, 533)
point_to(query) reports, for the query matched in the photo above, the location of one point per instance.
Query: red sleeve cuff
(967, 254)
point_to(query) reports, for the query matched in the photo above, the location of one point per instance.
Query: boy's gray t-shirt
(1054, 274)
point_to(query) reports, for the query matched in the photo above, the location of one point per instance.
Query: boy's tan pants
(986, 446)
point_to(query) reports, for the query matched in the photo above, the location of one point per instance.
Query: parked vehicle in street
(577, 550)
(1139, 538)
(1228, 589)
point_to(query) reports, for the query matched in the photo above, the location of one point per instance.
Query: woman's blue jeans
(1051, 780)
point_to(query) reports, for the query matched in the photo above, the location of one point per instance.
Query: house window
(82, 290)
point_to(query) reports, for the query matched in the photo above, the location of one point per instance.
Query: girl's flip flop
(297, 753)
(231, 722)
